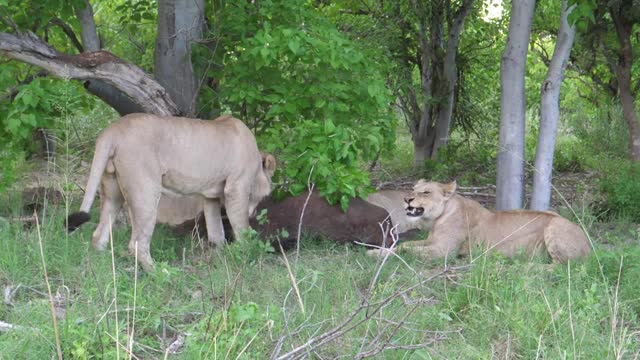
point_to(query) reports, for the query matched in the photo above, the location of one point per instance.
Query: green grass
(239, 302)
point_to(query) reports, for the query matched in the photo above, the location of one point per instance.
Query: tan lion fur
(457, 224)
(393, 202)
(140, 157)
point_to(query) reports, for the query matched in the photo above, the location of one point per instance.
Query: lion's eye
(426, 192)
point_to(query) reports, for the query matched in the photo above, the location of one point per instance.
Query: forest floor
(327, 301)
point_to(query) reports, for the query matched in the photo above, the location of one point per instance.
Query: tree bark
(91, 42)
(421, 132)
(623, 28)
(438, 77)
(510, 177)
(89, 35)
(97, 65)
(550, 112)
(449, 78)
(180, 23)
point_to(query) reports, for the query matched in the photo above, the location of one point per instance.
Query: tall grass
(230, 304)
(243, 303)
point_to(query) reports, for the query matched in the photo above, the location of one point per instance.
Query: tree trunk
(438, 75)
(100, 65)
(623, 74)
(89, 35)
(549, 112)
(510, 177)
(180, 23)
(422, 151)
(91, 42)
(449, 79)
(422, 145)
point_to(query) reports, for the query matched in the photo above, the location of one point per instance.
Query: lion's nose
(408, 200)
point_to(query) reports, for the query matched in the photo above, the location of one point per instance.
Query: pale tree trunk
(91, 42)
(623, 74)
(510, 177)
(549, 112)
(180, 23)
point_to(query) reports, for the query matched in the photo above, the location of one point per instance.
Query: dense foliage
(319, 83)
(315, 98)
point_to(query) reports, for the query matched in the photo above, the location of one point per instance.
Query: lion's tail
(104, 150)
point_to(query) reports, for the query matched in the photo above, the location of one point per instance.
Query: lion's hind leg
(111, 201)
(142, 200)
(565, 240)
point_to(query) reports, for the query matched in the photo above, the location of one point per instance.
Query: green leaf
(294, 45)
(329, 127)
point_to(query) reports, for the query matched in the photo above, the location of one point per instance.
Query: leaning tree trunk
(180, 23)
(100, 65)
(510, 177)
(549, 112)
(623, 74)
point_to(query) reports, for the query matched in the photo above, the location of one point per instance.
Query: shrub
(315, 99)
(618, 182)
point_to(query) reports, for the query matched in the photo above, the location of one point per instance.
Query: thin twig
(46, 280)
(573, 333)
(135, 293)
(292, 277)
(115, 289)
(349, 324)
(304, 207)
(120, 345)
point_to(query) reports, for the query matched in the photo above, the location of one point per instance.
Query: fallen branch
(6, 327)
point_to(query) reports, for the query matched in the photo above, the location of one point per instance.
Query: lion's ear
(449, 189)
(268, 163)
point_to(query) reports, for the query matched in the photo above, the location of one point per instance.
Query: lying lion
(141, 156)
(457, 224)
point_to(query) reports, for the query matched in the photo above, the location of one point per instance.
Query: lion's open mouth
(415, 212)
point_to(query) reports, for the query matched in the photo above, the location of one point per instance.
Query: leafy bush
(619, 184)
(570, 154)
(600, 130)
(38, 104)
(314, 98)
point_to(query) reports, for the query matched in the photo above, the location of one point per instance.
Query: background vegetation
(321, 84)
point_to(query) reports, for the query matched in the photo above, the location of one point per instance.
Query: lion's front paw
(381, 252)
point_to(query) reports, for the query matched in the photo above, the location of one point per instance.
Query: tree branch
(68, 31)
(97, 65)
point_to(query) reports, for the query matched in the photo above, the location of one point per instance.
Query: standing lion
(141, 156)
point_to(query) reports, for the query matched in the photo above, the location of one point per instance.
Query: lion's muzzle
(412, 211)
